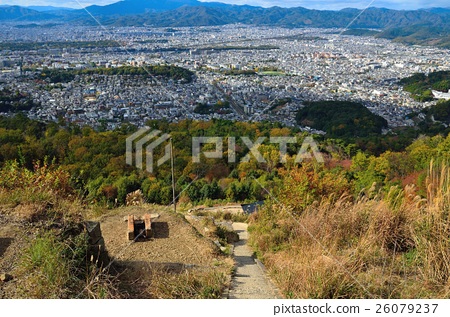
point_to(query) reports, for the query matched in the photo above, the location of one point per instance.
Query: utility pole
(173, 177)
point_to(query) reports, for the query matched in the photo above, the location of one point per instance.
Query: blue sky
(316, 4)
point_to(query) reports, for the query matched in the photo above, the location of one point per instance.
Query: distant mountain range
(48, 8)
(194, 13)
(426, 26)
(12, 13)
(129, 7)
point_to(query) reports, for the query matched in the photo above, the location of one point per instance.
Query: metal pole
(173, 177)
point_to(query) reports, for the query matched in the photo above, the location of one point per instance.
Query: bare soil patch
(176, 250)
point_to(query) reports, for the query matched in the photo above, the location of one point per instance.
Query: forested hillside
(362, 224)
(341, 119)
(420, 85)
(96, 163)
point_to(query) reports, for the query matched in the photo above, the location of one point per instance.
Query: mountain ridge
(139, 10)
(286, 17)
(423, 26)
(48, 8)
(129, 7)
(12, 13)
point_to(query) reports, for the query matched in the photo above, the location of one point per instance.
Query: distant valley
(423, 27)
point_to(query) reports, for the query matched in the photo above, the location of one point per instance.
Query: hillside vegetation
(43, 245)
(369, 224)
(46, 252)
(341, 119)
(434, 34)
(171, 72)
(95, 160)
(376, 228)
(420, 85)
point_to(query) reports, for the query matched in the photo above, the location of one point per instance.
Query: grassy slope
(374, 246)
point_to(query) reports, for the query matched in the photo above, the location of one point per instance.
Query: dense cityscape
(257, 73)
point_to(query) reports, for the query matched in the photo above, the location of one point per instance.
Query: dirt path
(250, 280)
(174, 239)
(175, 248)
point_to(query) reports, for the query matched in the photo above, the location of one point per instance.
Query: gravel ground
(175, 241)
(175, 247)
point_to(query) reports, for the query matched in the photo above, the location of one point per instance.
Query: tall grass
(39, 194)
(391, 245)
(55, 263)
(48, 272)
(189, 284)
(433, 238)
(52, 267)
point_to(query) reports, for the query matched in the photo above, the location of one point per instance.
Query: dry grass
(42, 194)
(52, 267)
(206, 283)
(53, 260)
(394, 245)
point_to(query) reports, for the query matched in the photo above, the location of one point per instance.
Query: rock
(154, 216)
(5, 277)
(93, 230)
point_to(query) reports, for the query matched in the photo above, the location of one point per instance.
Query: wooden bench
(141, 227)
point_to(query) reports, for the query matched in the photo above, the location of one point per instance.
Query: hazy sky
(316, 4)
(57, 3)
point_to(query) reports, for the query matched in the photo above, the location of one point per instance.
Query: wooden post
(130, 233)
(148, 226)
